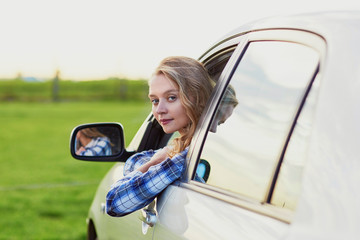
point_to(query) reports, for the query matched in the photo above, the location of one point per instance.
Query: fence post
(123, 89)
(55, 89)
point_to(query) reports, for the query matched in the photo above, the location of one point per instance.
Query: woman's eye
(172, 98)
(154, 101)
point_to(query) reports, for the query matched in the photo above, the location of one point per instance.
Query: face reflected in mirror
(222, 115)
(97, 141)
(227, 105)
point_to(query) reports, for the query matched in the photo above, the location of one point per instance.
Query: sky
(99, 39)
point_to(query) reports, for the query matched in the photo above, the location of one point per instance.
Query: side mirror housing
(102, 142)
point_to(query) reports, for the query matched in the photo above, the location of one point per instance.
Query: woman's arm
(157, 158)
(138, 189)
(99, 147)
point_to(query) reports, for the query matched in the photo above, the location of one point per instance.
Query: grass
(44, 193)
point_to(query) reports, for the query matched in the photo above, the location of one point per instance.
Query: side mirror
(99, 142)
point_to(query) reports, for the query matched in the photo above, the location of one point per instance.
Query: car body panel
(187, 214)
(128, 227)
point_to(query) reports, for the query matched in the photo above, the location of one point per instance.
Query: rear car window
(244, 143)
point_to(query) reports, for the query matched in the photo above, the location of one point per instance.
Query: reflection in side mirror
(203, 169)
(97, 142)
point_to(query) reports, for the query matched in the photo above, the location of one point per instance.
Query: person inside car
(178, 91)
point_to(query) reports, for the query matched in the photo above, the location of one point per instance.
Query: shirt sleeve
(101, 148)
(137, 160)
(137, 189)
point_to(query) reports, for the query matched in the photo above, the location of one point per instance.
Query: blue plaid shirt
(99, 146)
(137, 189)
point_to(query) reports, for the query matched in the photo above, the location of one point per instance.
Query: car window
(288, 185)
(253, 119)
(217, 64)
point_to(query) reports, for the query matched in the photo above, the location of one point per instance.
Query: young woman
(178, 90)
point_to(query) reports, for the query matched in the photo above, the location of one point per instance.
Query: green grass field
(44, 192)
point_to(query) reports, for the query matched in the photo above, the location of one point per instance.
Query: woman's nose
(161, 107)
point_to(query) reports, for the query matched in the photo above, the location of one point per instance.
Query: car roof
(340, 31)
(339, 28)
(326, 24)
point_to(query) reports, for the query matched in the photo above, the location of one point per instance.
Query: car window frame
(298, 36)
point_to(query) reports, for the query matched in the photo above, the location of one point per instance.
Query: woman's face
(166, 104)
(221, 116)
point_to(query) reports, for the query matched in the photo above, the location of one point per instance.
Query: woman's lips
(165, 121)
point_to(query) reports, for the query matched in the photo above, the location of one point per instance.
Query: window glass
(217, 65)
(288, 185)
(252, 122)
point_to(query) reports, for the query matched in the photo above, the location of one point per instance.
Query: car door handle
(148, 216)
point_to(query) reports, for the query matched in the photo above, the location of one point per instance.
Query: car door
(127, 227)
(132, 226)
(257, 154)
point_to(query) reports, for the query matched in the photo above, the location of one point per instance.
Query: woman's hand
(158, 157)
(80, 150)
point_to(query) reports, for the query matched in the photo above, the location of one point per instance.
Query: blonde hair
(230, 97)
(195, 86)
(91, 132)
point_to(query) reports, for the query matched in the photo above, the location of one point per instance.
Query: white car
(284, 165)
